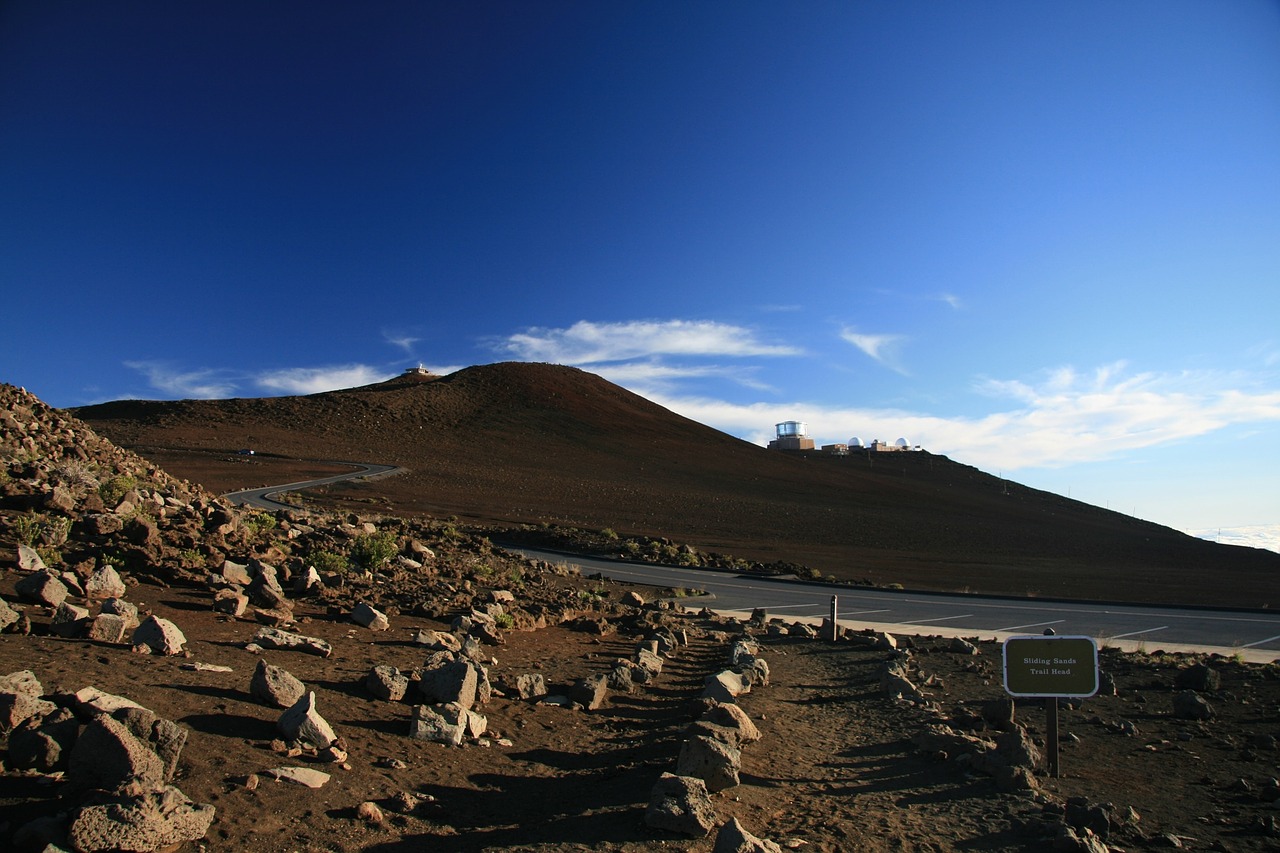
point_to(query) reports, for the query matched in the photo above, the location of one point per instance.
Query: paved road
(1257, 633)
(261, 498)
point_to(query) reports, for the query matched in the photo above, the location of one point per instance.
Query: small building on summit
(792, 435)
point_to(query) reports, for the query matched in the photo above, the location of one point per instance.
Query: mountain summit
(520, 443)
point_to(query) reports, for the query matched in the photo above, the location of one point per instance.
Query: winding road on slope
(1254, 635)
(262, 498)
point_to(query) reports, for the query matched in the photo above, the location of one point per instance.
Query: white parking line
(861, 612)
(1136, 633)
(1261, 642)
(939, 619)
(1032, 625)
(771, 608)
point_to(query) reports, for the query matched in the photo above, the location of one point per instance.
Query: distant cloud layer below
(1098, 417)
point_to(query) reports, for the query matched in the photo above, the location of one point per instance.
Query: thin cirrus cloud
(404, 342)
(202, 384)
(881, 348)
(314, 380)
(598, 343)
(1064, 419)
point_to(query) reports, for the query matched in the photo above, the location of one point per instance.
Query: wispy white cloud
(586, 343)
(314, 380)
(401, 341)
(1063, 419)
(881, 348)
(951, 299)
(202, 384)
(653, 376)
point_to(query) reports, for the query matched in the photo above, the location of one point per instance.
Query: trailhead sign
(1050, 666)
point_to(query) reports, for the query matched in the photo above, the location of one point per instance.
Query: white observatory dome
(902, 442)
(855, 442)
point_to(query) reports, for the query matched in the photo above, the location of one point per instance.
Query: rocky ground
(867, 743)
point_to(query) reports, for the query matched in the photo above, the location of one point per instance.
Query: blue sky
(1041, 238)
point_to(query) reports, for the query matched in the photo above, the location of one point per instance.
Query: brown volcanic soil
(541, 444)
(836, 768)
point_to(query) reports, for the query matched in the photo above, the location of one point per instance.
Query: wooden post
(1051, 726)
(1051, 735)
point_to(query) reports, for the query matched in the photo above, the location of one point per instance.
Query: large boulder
(109, 757)
(104, 583)
(42, 587)
(457, 681)
(450, 724)
(590, 692)
(713, 761)
(157, 820)
(302, 722)
(680, 804)
(275, 687)
(161, 636)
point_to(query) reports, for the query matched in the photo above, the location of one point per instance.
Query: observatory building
(792, 435)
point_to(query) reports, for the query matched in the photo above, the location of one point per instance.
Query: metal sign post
(1051, 668)
(835, 629)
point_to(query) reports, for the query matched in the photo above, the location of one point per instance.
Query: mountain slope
(536, 443)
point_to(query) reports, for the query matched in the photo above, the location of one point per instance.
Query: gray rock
(680, 804)
(725, 686)
(109, 757)
(90, 701)
(275, 687)
(274, 638)
(303, 722)
(590, 692)
(230, 601)
(69, 620)
(732, 716)
(649, 661)
(24, 681)
(308, 581)
(438, 640)
(236, 573)
(1189, 705)
(17, 708)
(450, 724)
(168, 740)
(368, 617)
(160, 635)
(1200, 677)
(714, 762)
(734, 838)
(457, 681)
(122, 608)
(299, 776)
(154, 821)
(531, 685)
(43, 587)
(1017, 749)
(108, 628)
(387, 682)
(29, 559)
(8, 616)
(44, 743)
(104, 583)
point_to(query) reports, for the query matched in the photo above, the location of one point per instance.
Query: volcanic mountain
(535, 444)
